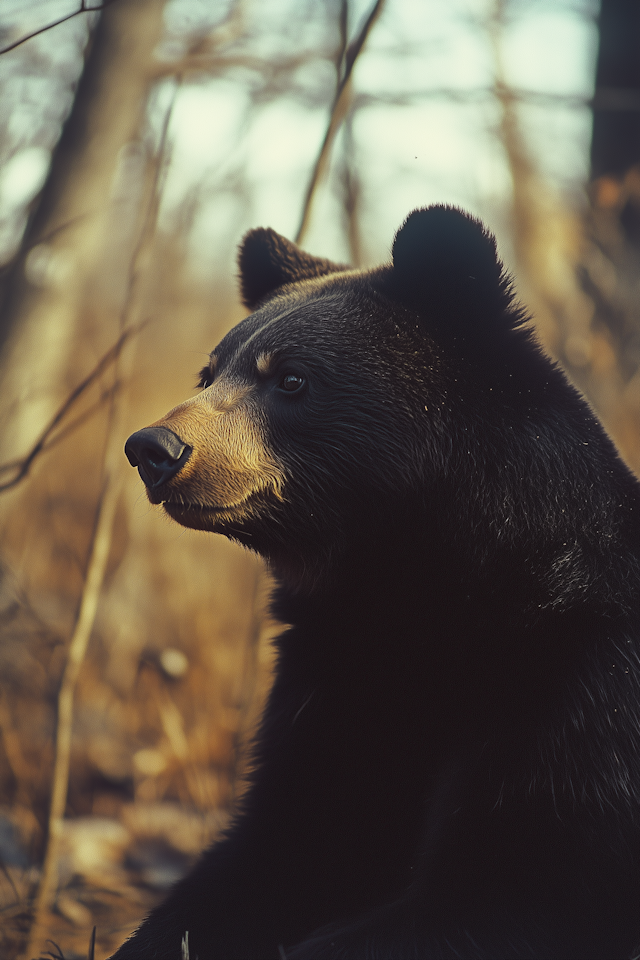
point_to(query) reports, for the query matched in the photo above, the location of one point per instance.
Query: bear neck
(461, 621)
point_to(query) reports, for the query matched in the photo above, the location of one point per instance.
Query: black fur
(449, 762)
(268, 261)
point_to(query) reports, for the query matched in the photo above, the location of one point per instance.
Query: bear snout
(158, 453)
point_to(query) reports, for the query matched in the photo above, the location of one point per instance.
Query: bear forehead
(308, 321)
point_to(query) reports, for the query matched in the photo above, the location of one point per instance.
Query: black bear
(449, 762)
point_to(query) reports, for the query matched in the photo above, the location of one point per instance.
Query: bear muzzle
(158, 453)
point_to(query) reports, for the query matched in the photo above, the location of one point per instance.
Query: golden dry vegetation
(135, 649)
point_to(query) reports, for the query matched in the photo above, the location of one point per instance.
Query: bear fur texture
(449, 762)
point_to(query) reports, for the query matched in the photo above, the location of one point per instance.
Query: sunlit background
(137, 146)
(424, 120)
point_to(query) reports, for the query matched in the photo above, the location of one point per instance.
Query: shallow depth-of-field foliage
(186, 124)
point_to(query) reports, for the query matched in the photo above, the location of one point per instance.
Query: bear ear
(445, 262)
(268, 261)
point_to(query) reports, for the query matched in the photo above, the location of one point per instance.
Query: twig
(526, 187)
(44, 441)
(83, 8)
(71, 427)
(11, 743)
(351, 194)
(3, 868)
(346, 62)
(92, 945)
(100, 549)
(58, 955)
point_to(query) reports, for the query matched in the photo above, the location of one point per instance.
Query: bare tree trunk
(15, 287)
(562, 257)
(84, 222)
(615, 144)
(71, 294)
(610, 265)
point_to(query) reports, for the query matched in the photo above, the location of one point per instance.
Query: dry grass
(176, 669)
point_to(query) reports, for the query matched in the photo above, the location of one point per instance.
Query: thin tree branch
(338, 107)
(45, 440)
(98, 557)
(100, 549)
(343, 25)
(475, 95)
(71, 427)
(83, 8)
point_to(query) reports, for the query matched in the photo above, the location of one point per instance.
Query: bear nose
(158, 453)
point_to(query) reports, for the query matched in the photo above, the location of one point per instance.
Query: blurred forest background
(137, 144)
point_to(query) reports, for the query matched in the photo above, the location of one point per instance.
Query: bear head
(351, 405)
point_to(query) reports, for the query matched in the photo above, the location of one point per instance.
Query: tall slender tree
(615, 144)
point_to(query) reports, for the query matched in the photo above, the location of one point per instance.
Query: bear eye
(205, 378)
(291, 382)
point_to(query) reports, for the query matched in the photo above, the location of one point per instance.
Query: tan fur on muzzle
(230, 461)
